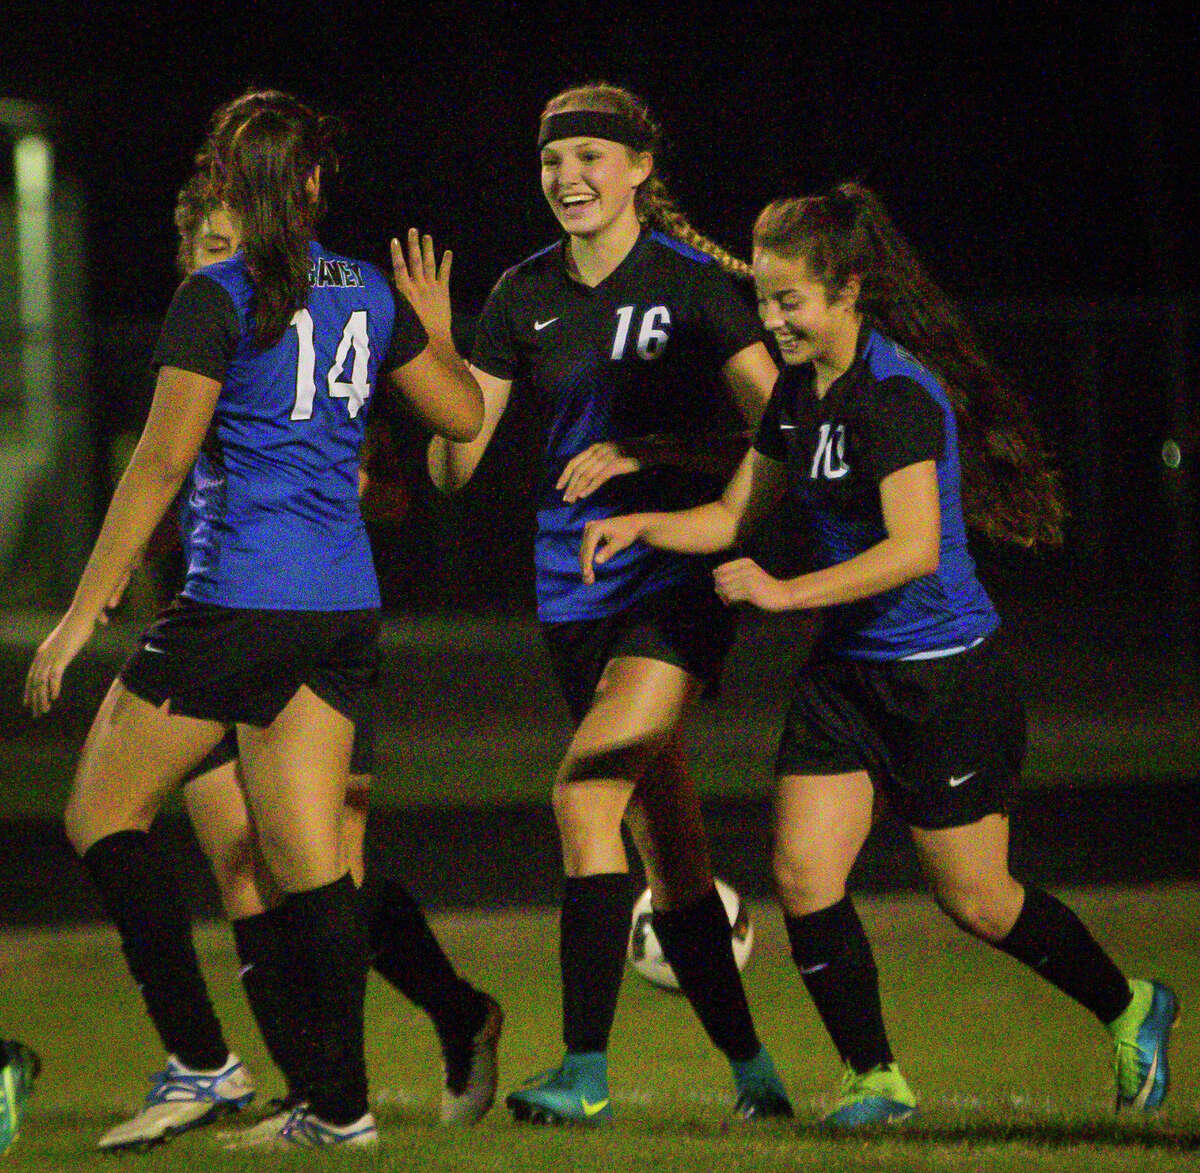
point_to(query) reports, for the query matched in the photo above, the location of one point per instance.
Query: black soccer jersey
(885, 413)
(636, 355)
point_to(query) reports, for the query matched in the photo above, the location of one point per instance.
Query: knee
(986, 911)
(805, 882)
(236, 869)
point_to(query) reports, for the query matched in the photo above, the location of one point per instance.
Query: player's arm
(180, 414)
(749, 376)
(750, 494)
(436, 382)
(911, 549)
(451, 465)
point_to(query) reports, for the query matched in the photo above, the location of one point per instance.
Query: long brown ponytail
(1010, 490)
(260, 158)
(653, 203)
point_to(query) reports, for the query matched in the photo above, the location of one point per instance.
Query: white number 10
(356, 391)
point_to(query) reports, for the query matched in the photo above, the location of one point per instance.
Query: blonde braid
(657, 207)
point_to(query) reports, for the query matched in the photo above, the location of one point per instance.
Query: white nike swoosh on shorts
(963, 778)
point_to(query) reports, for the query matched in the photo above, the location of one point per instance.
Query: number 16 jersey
(636, 355)
(270, 510)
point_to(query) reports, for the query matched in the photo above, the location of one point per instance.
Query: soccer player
(266, 362)
(887, 428)
(402, 947)
(19, 1067)
(633, 341)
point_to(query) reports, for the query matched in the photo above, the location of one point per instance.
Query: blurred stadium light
(45, 451)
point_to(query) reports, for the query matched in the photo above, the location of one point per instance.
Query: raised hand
(423, 281)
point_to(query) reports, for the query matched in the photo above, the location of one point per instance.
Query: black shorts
(232, 665)
(942, 738)
(684, 624)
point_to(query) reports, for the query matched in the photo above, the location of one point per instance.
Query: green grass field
(1010, 1075)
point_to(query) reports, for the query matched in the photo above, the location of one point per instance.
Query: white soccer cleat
(472, 1074)
(182, 1099)
(298, 1127)
(264, 1131)
(305, 1130)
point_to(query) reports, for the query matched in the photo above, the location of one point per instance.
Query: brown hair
(1009, 489)
(653, 203)
(258, 159)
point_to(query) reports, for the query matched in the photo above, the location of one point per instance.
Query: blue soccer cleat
(761, 1094)
(878, 1096)
(20, 1068)
(575, 1093)
(1140, 1036)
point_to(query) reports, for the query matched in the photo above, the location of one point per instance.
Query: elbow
(466, 428)
(162, 466)
(926, 560)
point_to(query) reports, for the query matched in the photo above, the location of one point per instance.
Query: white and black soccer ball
(645, 953)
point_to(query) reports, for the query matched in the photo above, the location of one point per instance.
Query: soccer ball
(646, 955)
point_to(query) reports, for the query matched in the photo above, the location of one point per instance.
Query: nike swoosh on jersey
(590, 1109)
(963, 778)
(541, 326)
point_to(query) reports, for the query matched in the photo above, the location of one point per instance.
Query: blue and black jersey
(883, 414)
(637, 355)
(271, 515)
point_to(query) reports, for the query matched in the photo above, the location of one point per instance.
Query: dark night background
(1034, 154)
(1024, 149)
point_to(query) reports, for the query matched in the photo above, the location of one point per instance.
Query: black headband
(592, 124)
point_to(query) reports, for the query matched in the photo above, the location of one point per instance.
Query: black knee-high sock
(142, 896)
(405, 952)
(695, 941)
(329, 944)
(834, 958)
(594, 929)
(281, 1004)
(1055, 944)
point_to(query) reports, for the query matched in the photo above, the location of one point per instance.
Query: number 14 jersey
(270, 511)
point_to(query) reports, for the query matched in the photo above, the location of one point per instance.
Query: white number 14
(356, 391)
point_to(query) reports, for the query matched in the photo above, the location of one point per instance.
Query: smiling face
(797, 309)
(590, 183)
(216, 239)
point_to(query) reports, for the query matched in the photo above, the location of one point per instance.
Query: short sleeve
(201, 330)
(907, 426)
(493, 351)
(409, 337)
(730, 323)
(768, 439)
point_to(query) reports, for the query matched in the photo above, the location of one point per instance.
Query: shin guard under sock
(834, 957)
(280, 1003)
(328, 941)
(1055, 944)
(594, 930)
(696, 942)
(405, 953)
(140, 893)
